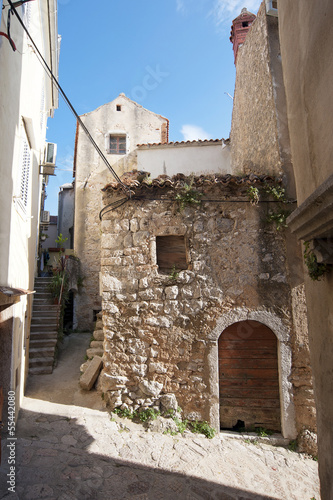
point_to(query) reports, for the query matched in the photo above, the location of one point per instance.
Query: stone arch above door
(284, 360)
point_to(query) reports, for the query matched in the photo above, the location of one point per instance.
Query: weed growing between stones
(150, 414)
(262, 432)
(316, 270)
(188, 196)
(174, 273)
(253, 195)
(293, 445)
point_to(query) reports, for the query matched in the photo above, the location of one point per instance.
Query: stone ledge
(314, 217)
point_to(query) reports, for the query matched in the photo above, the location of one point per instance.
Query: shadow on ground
(53, 461)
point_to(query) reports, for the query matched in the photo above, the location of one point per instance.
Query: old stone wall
(139, 125)
(254, 133)
(157, 326)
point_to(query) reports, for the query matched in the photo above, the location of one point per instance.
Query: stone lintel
(313, 219)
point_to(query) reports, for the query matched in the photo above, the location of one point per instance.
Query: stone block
(168, 402)
(98, 335)
(112, 382)
(151, 388)
(88, 378)
(94, 352)
(96, 344)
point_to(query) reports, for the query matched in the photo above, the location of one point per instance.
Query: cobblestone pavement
(67, 452)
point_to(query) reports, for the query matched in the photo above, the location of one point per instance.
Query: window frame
(172, 248)
(117, 150)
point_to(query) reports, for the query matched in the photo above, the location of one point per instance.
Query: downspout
(50, 49)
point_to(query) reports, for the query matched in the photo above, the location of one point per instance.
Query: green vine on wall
(278, 216)
(188, 196)
(316, 269)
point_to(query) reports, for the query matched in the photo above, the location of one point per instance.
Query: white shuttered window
(25, 172)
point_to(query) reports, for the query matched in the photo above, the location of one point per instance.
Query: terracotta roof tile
(177, 181)
(181, 142)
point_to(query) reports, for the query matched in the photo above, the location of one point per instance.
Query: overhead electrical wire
(66, 99)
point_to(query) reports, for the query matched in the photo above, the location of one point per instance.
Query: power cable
(66, 99)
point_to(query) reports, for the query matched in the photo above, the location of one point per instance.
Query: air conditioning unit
(45, 217)
(271, 8)
(50, 154)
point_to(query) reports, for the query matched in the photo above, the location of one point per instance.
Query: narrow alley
(69, 448)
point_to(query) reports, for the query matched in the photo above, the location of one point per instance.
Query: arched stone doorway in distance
(249, 377)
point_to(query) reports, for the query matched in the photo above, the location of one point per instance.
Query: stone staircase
(94, 357)
(96, 344)
(44, 329)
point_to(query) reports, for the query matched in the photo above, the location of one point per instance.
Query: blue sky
(173, 57)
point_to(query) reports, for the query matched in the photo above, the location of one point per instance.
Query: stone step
(96, 344)
(44, 326)
(43, 294)
(42, 342)
(94, 352)
(41, 352)
(47, 361)
(40, 370)
(40, 320)
(98, 335)
(41, 306)
(52, 334)
(44, 313)
(99, 325)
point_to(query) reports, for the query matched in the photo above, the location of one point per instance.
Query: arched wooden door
(248, 377)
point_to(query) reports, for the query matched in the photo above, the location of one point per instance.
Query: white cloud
(180, 6)
(193, 133)
(225, 11)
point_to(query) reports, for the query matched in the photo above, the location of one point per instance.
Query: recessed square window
(118, 107)
(117, 144)
(171, 253)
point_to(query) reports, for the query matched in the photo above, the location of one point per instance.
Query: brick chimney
(240, 27)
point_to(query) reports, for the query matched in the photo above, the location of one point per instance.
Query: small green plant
(188, 196)
(125, 413)
(148, 414)
(60, 240)
(278, 192)
(292, 446)
(316, 270)
(279, 218)
(251, 441)
(174, 273)
(203, 428)
(262, 432)
(253, 195)
(181, 424)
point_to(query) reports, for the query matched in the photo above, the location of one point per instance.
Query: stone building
(308, 73)
(197, 304)
(117, 128)
(203, 302)
(27, 99)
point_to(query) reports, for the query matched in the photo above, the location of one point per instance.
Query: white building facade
(27, 99)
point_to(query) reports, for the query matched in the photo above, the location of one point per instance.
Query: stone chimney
(240, 27)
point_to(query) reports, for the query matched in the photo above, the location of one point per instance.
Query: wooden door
(248, 377)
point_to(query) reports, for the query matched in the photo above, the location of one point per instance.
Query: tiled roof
(177, 181)
(182, 142)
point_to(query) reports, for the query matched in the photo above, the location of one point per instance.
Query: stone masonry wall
(254, 133)
(157, 327)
